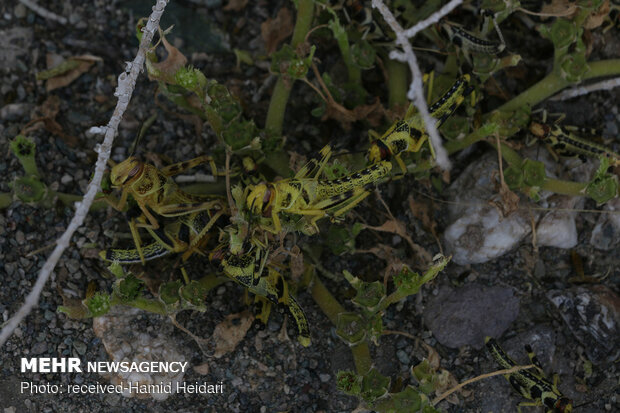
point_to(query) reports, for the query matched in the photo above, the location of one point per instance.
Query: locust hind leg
(276, 280)
(180, 167)
(175, 210)
(534, 359)
(132, 256)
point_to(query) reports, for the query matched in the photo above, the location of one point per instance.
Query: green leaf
(29, 189)
(98, 304)
(374, 385)
(129, 287)
(408, 400)
(351, 327)
(348, 382)
(363, 54)
(513, 176)
(533, 173)
(602, 189)
(24, 148)
(369, 295)
(194, 294)
(169, 292)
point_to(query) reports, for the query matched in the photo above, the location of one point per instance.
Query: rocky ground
(531, 294)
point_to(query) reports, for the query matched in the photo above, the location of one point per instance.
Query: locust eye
(133, 171)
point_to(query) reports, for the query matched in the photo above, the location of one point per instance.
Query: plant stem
(397, 82)
(553, 83)
(5, 199)
(331, 308)
(564, 187)
(475, 136)
(557, 186)
(282, 90)
(548, 86)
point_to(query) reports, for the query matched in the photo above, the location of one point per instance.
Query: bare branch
(416, 91)
(433, 18)
(124, 90)
(584, 90)
(46, 14)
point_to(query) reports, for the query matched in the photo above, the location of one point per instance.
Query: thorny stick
(46, 14)
(124, 90)
(416, 92)
(478, 378)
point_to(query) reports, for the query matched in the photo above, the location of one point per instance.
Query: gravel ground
(268, 371)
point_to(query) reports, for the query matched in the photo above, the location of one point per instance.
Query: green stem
(477, 135)
(146, 304)
(355, 73)
(564, 187)
(553, 83)
(331, 308)
(397, 82)
(282, 90)
(5, 199)
(548, 86)
(557, 186)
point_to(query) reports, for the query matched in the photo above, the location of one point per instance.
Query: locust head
(378, 151)
(126, 171)
(260, 197)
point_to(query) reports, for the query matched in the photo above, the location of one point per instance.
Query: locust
(409, 134)
(155, 192)
(185, 235)
(566, 141)
(533, 385)
(245, 270)
(311, 196)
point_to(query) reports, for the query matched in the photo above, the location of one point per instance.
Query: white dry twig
(416, 92)
(124, 90)
(584, 90)
(46, 14)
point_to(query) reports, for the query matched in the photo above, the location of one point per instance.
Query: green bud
(98, 304)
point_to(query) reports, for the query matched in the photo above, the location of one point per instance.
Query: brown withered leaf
(444, 381)
(165, 69)
(230, 332)
(346, 116)
(68, 70)
(507, 202)
(397, 227)
(564, 8)
(44, 116)
(202, 369)
(235, 5)
(597, 18)
(274, 31)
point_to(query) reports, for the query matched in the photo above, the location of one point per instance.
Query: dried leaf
(508, 201)
(202, 369)
(423, 212)
(235, 5)
(230, 332)
(598, 17)
(69, 70)
(564, 8)
(274, 31)
(297, 263)
(396, 227)
(446, 381)
(44, 116)
(346, 116)
(166, 69)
